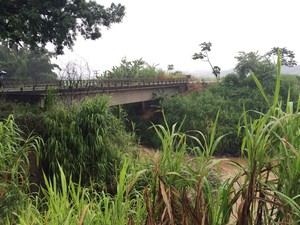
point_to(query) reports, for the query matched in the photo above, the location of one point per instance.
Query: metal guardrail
(61, 85)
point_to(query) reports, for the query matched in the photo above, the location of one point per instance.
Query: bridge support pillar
(41, 102)
(144, 106)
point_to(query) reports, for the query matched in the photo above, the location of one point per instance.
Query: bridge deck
(40, 87)
(121, 91)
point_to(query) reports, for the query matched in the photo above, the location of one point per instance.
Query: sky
(164, 32)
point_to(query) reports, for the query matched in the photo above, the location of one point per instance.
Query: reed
(14, 168)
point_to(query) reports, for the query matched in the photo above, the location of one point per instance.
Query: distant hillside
(207, 73)
(290, 70)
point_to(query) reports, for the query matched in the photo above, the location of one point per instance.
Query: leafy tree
(132, 69)
(27, 64)
(231, 80)
(258, 64)
(287, 56)
(170, 67)
(37, 23)
(261, 66)
(247, 62)
(203, 55)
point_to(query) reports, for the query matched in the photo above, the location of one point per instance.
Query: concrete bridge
(120, 91)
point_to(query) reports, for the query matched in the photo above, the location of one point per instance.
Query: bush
(87, 140)
(232, 96)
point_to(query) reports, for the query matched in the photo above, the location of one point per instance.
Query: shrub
(86, 139)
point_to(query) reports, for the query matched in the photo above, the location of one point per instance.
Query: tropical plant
(14, 168)
(67, 202)
(270, 145)
(132, 69)
(287, 56)
(87, 140)
(203, 55)
(25, 64)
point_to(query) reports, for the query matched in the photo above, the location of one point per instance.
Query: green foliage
(175, 187)
(54, 21)
(270, 146)
(287, 56)
(67, 202)
(86, 139)
(259, 65)
(235, 93)
(184, 189)
(290, 86)
(199, 111)
(14, 168)
(133, 69)
(25, 64)
(28, 117)
(203, 55)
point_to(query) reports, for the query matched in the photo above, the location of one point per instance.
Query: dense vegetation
(232, 96)
(83, 145)
(86, 139)
(137, 69)
(37, 23)
(235, 93)
(76, 164)
(24, 64)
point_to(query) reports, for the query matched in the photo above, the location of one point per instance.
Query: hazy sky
(169, 32)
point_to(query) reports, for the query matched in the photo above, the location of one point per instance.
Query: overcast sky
(169, 32)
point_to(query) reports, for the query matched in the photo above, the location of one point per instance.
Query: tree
(203, 55)
(252, 61)
(287, 56)
(75, 70)
(170, 67)
(132, 69)
(261, 66)
(36, 23)
(27, 64)
(247, 62)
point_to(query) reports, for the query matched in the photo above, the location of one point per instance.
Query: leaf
(258, 84)
(166, 201)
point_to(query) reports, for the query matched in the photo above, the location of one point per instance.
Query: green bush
(27, 116)
(86, 139)
(232, 96)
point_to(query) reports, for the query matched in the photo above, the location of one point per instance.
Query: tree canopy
(25, 64)
(132, 69)
(203, 55)
(36, 23)
(263, 64)
(287, 56)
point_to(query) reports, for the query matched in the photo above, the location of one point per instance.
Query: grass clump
(87, 140)
(14, 168)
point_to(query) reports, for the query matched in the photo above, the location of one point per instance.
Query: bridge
(120, 91)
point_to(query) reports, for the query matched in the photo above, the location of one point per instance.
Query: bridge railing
(19, 85)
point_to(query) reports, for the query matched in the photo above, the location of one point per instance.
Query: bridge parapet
(120, 91)
(19, 85)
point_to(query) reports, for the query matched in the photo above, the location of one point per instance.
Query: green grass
(179, 186)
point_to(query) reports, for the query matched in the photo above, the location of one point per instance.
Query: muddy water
(226, 167)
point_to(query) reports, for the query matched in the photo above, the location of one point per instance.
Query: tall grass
(68, 203)
(185, 188)
(270, 146)
(87, 140)
(14, 168)
(265, 192)
(180, 185)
